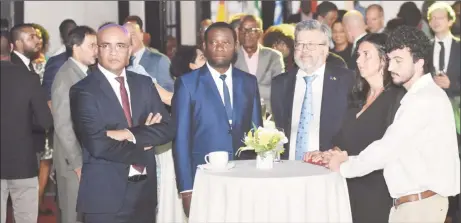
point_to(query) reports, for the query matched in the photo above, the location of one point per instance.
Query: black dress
(369, 196)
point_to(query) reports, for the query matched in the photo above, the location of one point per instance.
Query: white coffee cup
(218, 159)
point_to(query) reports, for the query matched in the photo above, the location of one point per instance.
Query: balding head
(137, 36)
(355, 24)
(114, 48)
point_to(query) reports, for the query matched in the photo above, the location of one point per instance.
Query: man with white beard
(309, 102)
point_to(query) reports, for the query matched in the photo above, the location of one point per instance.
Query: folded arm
(92, 132)
(157, 134)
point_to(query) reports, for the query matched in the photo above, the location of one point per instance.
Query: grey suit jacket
(157, 66)
(270, 64)
(67, 154)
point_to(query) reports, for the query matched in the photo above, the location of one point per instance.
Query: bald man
(118, 117)
(375, 18)
(355, 26)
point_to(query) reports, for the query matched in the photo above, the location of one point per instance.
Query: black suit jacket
(336, 86)
(23, 102)
(453, 68)
(38, 132)
(294, 18)
(95, 109)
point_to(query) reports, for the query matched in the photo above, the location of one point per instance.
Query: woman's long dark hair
(361, 88)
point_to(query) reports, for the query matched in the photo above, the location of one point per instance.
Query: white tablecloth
(290, 192)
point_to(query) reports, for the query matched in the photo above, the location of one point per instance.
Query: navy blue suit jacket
(202, 123)
(336, 87)
(157, 65)
(51, 69)
(95, 109)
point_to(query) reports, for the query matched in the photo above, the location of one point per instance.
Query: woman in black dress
(373, 103)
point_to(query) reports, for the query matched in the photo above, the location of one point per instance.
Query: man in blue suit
(309, 102)
(109, 108)
(214, 107)
(155, 64)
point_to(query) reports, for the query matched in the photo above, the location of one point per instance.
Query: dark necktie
(441, 56)
(131, 63)
(31, 67)
(126, 110)
(227, 100)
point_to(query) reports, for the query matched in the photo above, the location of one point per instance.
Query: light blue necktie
(227, 101)
(307, 114)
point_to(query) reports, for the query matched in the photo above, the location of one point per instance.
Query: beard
(222, 63)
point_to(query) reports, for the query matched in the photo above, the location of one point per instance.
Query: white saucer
(209, 167)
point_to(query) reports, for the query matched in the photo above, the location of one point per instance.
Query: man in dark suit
(309, 102)
(446, 52)
(214, 107)
(356, 29)
(108, 109)
(305, 13)
(446, 69)
(23, 104)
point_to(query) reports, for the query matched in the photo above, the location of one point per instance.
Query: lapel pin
(333, 78)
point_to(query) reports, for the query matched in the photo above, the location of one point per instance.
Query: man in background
(67, 157)
(375, 18)
(23, 104)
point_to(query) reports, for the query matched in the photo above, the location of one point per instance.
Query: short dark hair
(134, 18)
(376, 6)
(415, 40)
(258, 20)
(325, 7)
(410, 14)
(76, 37)
(65, 27)
(220, 25)
(236, 19)
(4, 24)
(180, 61)
(393, 24)
(5, 47)
(277, 34)
(17, 30)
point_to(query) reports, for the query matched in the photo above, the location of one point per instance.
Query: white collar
(420, 83)
(319, 72)
(446, 40)
(215, 73)
(24, 59)
(139, 54)
(82, 67)
(109, 75)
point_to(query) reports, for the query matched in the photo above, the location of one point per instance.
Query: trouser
(67, 183)
(24, 197)
(431, 210)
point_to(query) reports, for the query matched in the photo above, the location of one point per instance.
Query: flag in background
(278, 15)
(313, 6)
(221, 15)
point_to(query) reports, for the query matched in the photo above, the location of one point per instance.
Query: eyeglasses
(308, 46)
(118, 47)
(249, 31)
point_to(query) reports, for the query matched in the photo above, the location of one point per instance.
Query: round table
(292, 191)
